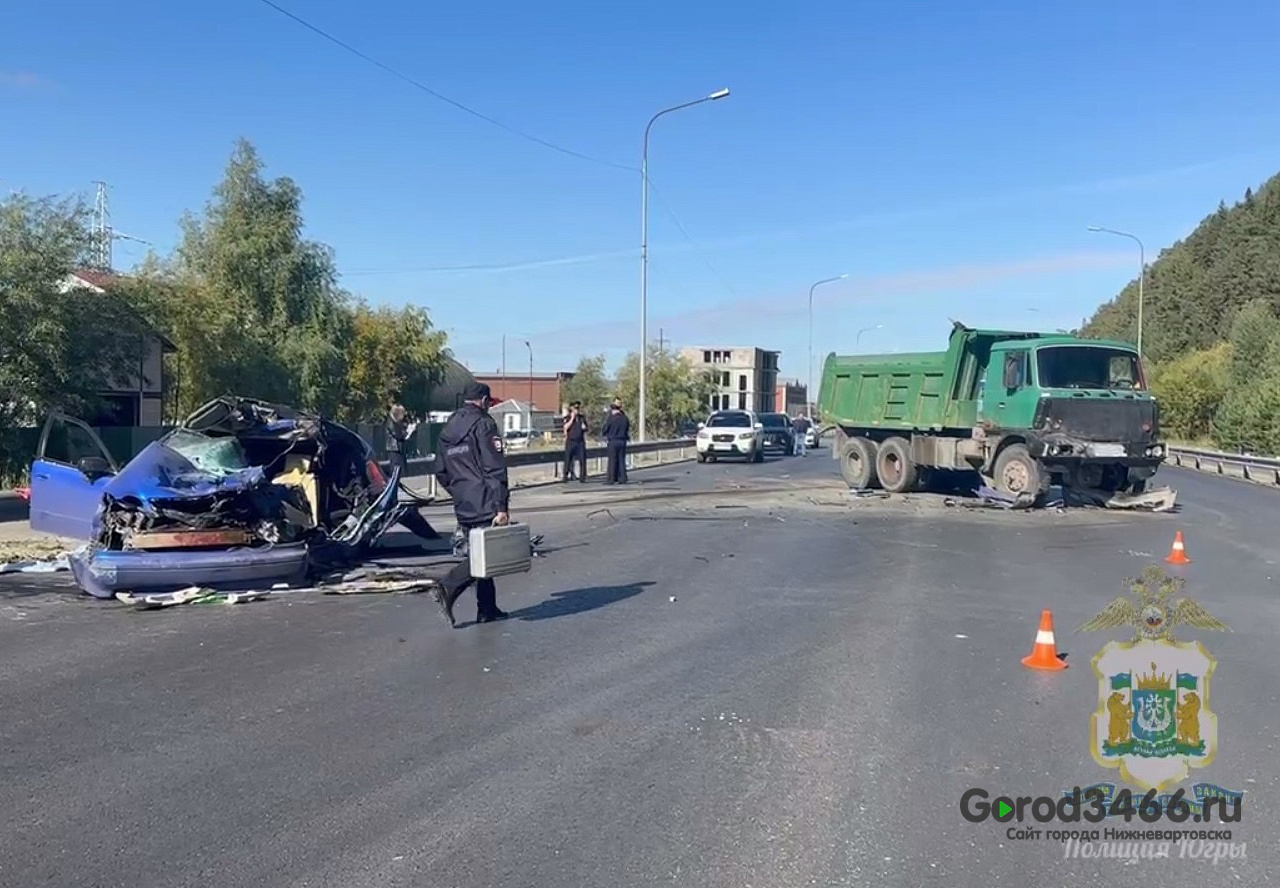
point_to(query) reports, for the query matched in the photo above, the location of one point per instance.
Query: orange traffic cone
(1045, 654)
(1178, 554)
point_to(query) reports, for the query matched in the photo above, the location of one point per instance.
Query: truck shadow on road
(577, 601)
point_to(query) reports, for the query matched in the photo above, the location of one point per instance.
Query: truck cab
(1081, 408)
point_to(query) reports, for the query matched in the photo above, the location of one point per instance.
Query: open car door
(71, 468)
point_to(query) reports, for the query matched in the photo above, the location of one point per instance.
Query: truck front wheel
(858, 463)
(1018, 473)
(894, 465)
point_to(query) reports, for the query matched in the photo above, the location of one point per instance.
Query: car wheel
(702, 457)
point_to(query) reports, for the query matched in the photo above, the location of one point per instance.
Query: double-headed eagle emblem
(1156, 606)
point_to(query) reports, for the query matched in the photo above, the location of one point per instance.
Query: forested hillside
(1211, 326)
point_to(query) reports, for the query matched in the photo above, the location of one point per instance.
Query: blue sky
(947, 156)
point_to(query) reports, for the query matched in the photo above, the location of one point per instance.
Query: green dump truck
(1022, 409)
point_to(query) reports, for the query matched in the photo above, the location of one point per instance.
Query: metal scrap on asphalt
(1163, 499)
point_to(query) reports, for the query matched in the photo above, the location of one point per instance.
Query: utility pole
(644, 250)
(1142, 271)
(662, 343)
(530, 347)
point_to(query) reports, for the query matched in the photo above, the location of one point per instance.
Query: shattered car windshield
(729, 420)
(1088, 367)
(217, 456)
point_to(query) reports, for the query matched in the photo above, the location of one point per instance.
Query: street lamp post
(530, 347)
(858, 338)
(811, 396)
(1142, 271)
(644, 247)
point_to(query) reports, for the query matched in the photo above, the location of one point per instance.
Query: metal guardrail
(1259, 469)
(15, 508)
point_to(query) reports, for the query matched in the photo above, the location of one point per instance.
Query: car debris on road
(1163, 499)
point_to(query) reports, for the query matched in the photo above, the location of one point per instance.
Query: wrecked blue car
(243, 494)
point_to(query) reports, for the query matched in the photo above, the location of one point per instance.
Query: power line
(500, 266)
(512, 130)
(705, 261)
(443, 98)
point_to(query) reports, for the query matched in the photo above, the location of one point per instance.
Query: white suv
(734, 433)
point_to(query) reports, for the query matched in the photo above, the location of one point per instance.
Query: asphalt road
(828, 681)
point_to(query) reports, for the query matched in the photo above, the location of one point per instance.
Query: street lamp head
(719, 94)
(1095, 228)
(843, 276)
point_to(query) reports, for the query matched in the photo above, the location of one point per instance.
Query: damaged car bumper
(103, 572)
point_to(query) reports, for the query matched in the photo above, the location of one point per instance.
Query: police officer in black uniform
(475, 475)
(575, 443)
(617, 432)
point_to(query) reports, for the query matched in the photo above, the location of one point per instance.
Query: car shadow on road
(577, 601)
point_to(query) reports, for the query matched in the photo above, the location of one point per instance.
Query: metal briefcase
(499, 551)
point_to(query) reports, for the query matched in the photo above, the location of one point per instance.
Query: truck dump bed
(924, 391)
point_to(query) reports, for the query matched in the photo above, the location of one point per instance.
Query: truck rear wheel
(858, 463)
(1017, 472)
(895, 467)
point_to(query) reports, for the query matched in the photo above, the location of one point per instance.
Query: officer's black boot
(487, 602)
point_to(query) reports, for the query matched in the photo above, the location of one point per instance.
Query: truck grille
(1121, 419)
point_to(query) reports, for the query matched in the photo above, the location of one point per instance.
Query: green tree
(677, 391)
(58, 347)
(1190, 391)
(1253, 333)
(394, 356)
(590, 386)
(262, 309)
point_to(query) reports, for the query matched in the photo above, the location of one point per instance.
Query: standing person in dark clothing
(475, 475)
(617, 432)
(399, 430)
(575, 442)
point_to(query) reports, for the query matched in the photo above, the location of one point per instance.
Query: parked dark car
(242, 493)
(778, 435)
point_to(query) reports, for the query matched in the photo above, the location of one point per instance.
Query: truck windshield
(1085, 366)
(729, 421)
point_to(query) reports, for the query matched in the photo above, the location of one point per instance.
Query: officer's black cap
(476, 391)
